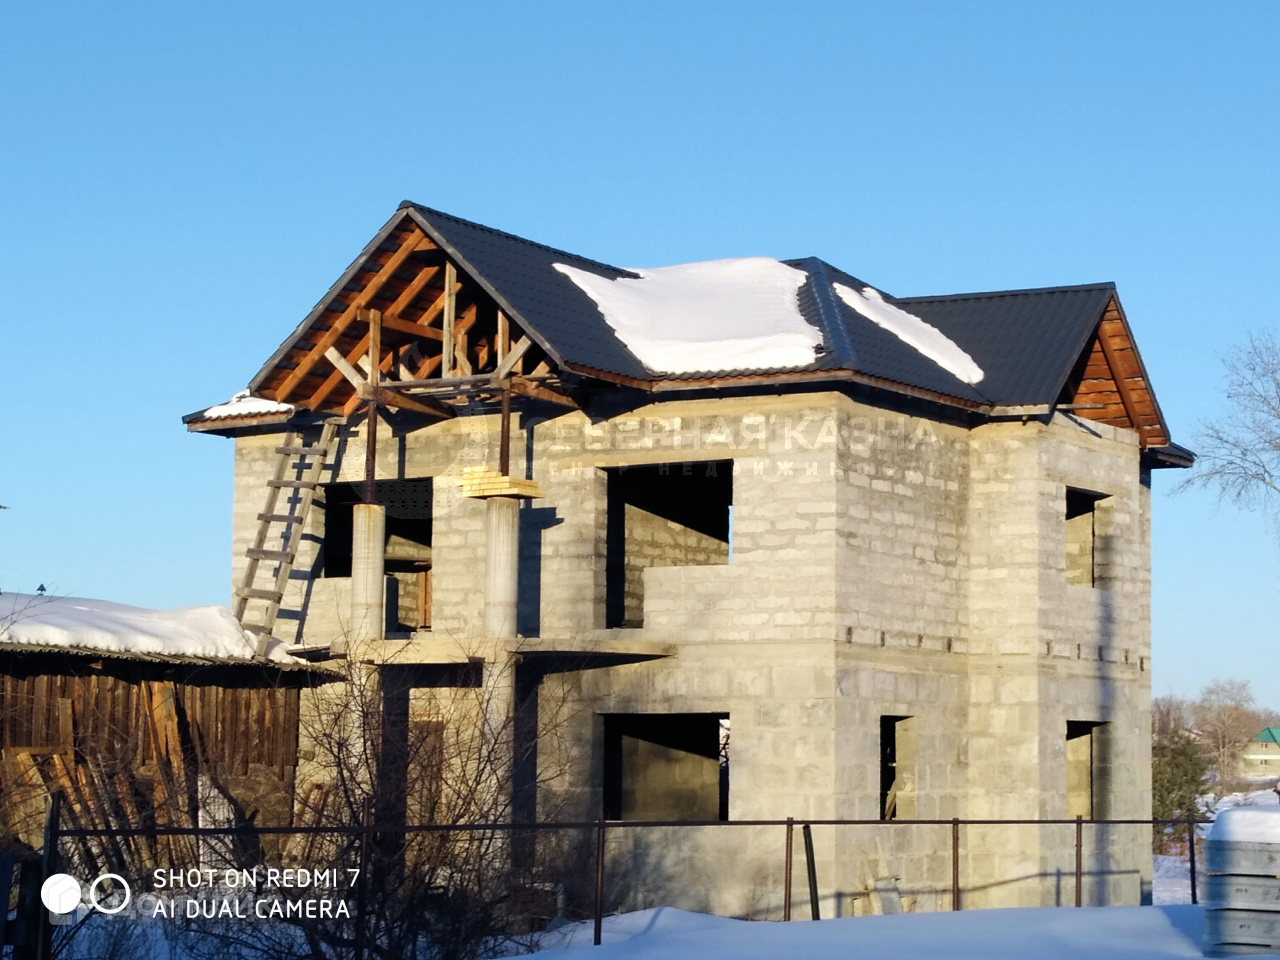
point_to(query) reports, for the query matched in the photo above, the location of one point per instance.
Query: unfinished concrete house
(790, 546)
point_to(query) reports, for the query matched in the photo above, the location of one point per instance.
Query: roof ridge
(407, 204)
(1026, 291)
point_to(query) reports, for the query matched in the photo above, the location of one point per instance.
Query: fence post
(1079, 856)
(955, 863)
(48, 867)
(362, 892)
(786, 873)
(599, 881)
(1191, 850)
(813, 872)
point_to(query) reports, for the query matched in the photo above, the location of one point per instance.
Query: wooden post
(1191, 851)
(503, 338)
(1079, 857)
(504, 441)
(955, 863)
(371, 421)
(450, 311)
(813, 872)
(599, 917)
(786, 872)
(48, 867)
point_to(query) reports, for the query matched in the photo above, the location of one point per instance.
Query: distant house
(1261, 757)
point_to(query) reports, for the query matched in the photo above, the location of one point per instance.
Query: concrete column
(368, 580)
(502, 564)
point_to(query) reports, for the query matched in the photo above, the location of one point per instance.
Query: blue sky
(178, 185)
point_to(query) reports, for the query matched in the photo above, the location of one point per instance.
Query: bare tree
(1239, 454)
(1170, 716)
(1226, 720)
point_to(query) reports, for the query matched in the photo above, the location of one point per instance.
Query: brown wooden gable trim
(403, 278)
(1109, 383)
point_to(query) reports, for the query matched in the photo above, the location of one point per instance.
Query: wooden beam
(392, 322)
(450, 306)
(1122, 387)
(334, 356)
(503, 342)
(527, 388)
(394, 399)
(411, 291)
(509, 361)
(412, 242)
(374, 319)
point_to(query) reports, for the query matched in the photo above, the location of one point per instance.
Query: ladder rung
(280, 517)
(258, 628)
(253, 553)
(302, 451)
(295, 484)
(255, 594)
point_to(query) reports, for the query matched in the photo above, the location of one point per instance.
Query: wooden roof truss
(436, 337)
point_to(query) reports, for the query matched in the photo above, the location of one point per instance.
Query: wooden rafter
(1109, 384)
(412, 242)
(434, 322)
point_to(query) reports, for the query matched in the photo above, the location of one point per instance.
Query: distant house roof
(1269, 735)
(1058, 346)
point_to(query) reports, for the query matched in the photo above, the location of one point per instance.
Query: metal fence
(367, 846)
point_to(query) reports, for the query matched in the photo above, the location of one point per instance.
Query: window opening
(666, 766)
(1081, 536)
(662, 515)
(1082, 768)
(897, 767)
(407, 555)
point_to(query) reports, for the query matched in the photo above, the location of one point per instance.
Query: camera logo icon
(62, 893)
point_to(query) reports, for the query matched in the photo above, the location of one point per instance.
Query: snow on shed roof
(79, 625)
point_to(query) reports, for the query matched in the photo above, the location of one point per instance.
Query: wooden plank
(450, 307)
(66, 731)
(349, 372)
(502, 343)
(512, 358)
(411, 242)
(529, 388)
(410, 292)
(374, 319)
(394, 399)
(392, 322)
(1121, 386)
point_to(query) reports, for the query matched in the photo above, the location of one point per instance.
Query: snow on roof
(244, 405)
(78, 624)
(1247, 825)
(911, 330)
(716, 316)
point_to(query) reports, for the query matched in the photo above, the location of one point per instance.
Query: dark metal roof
(520, 276)
(1025, 340)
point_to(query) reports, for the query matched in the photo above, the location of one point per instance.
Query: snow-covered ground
(1050, 933)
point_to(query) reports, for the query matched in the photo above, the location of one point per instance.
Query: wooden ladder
(287, 523)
